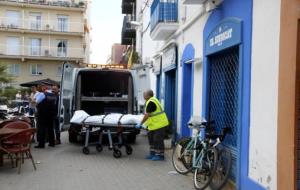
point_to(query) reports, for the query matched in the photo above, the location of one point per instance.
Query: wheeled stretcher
(106, 125)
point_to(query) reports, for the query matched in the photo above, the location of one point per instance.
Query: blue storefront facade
(218, 87)
(227, 80)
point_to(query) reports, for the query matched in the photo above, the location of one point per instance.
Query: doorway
(187, 95)
(170, 103)
(224, 97)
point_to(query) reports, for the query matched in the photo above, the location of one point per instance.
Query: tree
(4, 76)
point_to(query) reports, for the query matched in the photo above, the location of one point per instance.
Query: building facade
(234, 62)
(36, 37)
(117, 54)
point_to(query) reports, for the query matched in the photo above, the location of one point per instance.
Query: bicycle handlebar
(200, 124)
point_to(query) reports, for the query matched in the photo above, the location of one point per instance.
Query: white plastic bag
(79, 116)
(130, 119)
(96, 119)
(112, 119)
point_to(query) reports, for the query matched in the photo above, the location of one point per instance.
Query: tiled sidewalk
(65, 167)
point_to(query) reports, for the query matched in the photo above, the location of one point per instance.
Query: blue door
(187, 94)
(170, 96)
(224, 96)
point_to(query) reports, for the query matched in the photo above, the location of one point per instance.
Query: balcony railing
(163, 11)
(51, 3)
(41, 51)
(41, 25)
(128, 31)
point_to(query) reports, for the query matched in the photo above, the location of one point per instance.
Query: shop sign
(226, 34)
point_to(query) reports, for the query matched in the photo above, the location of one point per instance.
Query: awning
(39, 82)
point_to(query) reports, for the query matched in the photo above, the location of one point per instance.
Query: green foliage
(135, 57)
(9, 93)
(4, 77)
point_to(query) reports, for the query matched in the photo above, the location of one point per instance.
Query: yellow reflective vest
(157, 119)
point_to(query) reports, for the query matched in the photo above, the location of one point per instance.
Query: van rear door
(66, 95)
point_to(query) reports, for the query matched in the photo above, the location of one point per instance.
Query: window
(36, 69)
(14, 69)
(35, 47)
(62, 48)
(63, 23)
(35, 21)
(13, 46)
(13, 19)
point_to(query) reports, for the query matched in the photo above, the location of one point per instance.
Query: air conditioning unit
(47, 27)
(47, 53)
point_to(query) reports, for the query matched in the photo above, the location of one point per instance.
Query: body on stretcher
(105, 124)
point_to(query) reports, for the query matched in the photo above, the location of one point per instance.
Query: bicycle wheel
(204, 175)
(223, 169)
(181, 159)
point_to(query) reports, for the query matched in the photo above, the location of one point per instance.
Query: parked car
(96, 91)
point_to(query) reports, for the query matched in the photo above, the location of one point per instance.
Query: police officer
(55, 91)
(156, 121)
(45, 116)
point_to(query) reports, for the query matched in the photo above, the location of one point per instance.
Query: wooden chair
(21, 146)
(17, 125)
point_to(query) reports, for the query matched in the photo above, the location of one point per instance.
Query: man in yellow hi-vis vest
(156, 121)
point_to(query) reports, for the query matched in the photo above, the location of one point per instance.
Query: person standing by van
(45, 117)
(55, 91)
(156, 121)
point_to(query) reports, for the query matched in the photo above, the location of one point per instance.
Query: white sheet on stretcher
(81, 117)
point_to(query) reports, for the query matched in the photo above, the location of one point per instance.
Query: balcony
(127, 41)
(47, 4)
(128, 31)
(41, 53)
(164, 19)
(41, 26)
(128, 6)
(193, 2)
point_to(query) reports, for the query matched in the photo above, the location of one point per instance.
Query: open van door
(66, 95)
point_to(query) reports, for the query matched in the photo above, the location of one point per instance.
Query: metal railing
(163, 11)
(66, 3)
(41, 51)
(41, 25)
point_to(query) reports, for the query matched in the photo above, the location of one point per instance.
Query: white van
(96, 91)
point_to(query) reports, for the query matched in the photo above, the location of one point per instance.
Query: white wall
(264, 92)
(191, 31)
(184, 35)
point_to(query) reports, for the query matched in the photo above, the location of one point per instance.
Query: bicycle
(198, 155)
(218, 174)
(224, 160)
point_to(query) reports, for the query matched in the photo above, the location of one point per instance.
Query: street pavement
(65, 167)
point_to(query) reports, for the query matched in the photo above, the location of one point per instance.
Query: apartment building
(37, 36)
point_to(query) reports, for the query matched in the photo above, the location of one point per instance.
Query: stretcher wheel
(99, 147)
(117, 153)
(86, 150)
(128, 150)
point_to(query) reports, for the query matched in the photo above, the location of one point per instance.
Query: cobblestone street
(65, 167)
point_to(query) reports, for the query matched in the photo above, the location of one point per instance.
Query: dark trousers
(45, 126)
(156, 141)
(56, 129)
